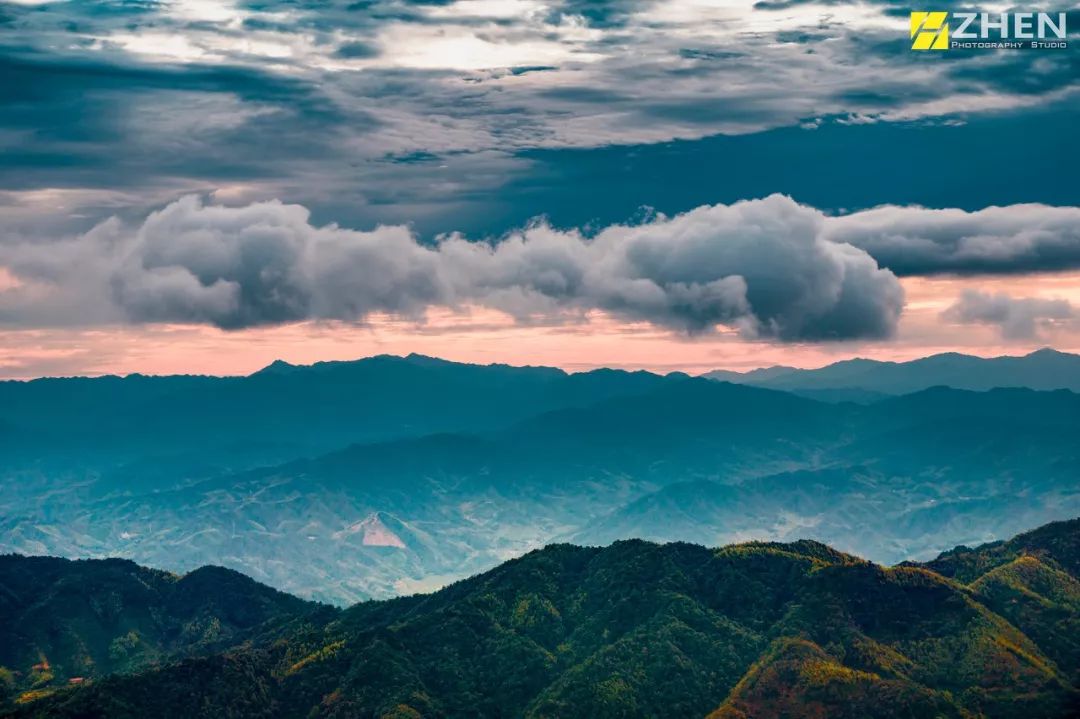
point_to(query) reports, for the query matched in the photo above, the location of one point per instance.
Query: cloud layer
(764, 267)
(1018, 318)
(363, 102)
(770, 268)
(998, 240)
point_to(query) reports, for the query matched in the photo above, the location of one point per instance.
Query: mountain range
(865, 379)
(344, 481)
(173, 428)
(757, 629)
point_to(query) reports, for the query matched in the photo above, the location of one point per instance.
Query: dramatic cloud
(178, 97)
(919, 241)
(764, 267)
(760, 265)
(1017, 318)
(231, 267)
(770, 268)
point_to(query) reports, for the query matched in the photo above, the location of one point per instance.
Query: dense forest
(635, 629)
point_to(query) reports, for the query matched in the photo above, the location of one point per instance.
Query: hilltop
(757, 629)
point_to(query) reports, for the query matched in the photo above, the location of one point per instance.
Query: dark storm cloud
(786, 4)
(353, 50)
(72, 121)
(890, 4)
(33, 81)
(1024, 72)
(584, 94)
(357, 15)
(342, 115)
(993, 160)
(609, 14)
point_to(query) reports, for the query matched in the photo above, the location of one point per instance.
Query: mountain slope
(638, 629)
(469, 500)
(72, 620)
(905, 476)
(130, 426)
(1057, 543)
(796, 677)
(690, 460)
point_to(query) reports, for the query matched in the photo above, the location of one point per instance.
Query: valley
(500, 461)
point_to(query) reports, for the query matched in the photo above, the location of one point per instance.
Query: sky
(204, 187)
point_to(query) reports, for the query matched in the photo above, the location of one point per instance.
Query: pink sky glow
(484, 336)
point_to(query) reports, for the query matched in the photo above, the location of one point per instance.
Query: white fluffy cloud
(920, 241)
(1018, 318)
(266, 264)
(763, 266)
(760, 265)
(770, 268)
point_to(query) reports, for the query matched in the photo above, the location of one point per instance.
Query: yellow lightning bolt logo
(929, 31)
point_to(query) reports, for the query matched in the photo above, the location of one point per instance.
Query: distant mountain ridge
(178, 428)
(1044, 369)
(940, 462)
(635, 629)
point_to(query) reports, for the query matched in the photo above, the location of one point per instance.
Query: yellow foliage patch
(33, 695)
(321, 655)
(824, 671)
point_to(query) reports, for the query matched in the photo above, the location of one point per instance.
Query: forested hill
(639, 629)
(64, 622)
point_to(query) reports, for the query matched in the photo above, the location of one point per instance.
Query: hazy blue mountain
(888, 516)
(1045, 369)
(762, 374)
(687, 459)
(196, 424)
(906, 477)
(461, 503)
(855, 395)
